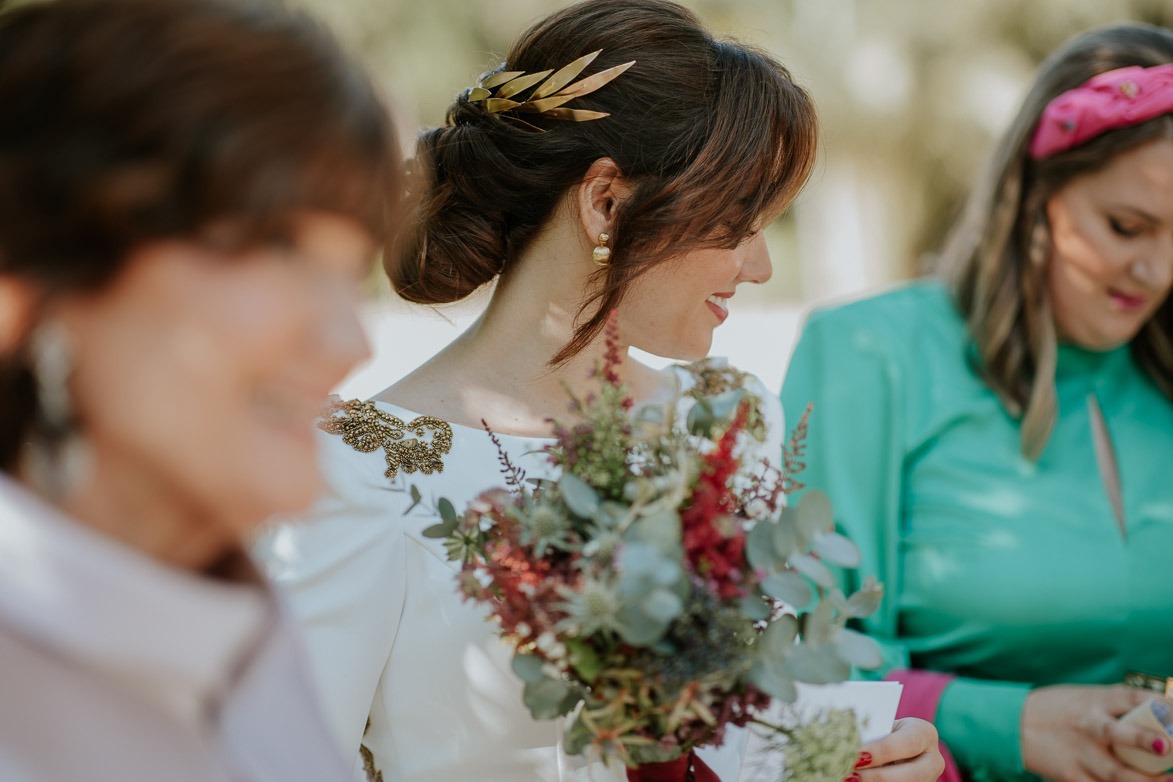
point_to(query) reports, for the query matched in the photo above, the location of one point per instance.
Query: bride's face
(672, 310)
(201, 374)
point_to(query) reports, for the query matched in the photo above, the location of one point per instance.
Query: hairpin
(497, 92)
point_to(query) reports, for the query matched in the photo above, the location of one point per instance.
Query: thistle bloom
(592, 608)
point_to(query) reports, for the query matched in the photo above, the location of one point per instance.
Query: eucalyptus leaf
(638, 629)
(723, 405)
(447, 512)
(777, 642)
(866, 600)
(416, 498)
(785, 537)
(661, 530)
(838, 601)
(577, 737)
(651, 414)
(788, 519)
(578, 495)
(790, 588)
(836, 549)
(859, 650)
(759, 547)
(754, 608)
(642, 567)
(528, 667)
(813, 569)
(817, 665)
(815, 516)
(661, 605)
(549, 698)
(441, 530)
(701, 419)
(774, 680)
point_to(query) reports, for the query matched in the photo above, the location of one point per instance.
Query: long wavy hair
(996, 257)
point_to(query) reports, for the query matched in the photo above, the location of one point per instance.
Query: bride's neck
(500, 368)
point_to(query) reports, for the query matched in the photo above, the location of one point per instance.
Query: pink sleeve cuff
(920, 699)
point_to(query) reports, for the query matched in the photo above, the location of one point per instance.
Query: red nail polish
(865, 759)
(1159, 746)
(853, 778)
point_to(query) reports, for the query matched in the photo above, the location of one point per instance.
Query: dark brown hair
(996, 257)
(712, 134)
(127, 121)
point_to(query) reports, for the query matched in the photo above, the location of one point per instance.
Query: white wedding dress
(406, 668)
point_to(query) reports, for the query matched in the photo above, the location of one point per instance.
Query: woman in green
(999, 441)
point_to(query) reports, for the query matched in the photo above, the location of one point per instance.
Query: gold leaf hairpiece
(495, 92)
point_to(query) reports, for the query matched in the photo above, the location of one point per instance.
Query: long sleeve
(865, 421)
(342, 571)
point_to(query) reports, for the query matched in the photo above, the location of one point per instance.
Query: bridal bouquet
(646, 591)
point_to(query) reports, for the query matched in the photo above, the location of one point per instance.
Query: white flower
(757, 509)
(546, 640)
(523, 630)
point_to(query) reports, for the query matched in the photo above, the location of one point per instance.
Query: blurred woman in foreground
(190, 195)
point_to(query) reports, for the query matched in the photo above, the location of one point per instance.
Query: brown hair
(996, 257)
(712, 134)
(127, 121)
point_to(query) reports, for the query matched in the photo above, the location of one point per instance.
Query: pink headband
(1113, 99)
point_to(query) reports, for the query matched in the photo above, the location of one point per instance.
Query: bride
(645, 193)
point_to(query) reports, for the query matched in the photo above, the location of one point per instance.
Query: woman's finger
(1106, 729)
(925, 767)
(909, 738)
(1126, 735)
(1104, 767)
(1119, 700)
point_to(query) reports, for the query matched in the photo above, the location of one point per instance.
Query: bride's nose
(756, 266)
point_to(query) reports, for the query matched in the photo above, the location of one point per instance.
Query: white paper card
(874, 704)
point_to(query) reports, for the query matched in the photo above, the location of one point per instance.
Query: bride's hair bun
(712, 135)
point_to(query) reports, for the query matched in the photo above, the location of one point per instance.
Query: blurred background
(911, 96)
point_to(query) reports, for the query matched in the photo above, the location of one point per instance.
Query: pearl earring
(602, 253)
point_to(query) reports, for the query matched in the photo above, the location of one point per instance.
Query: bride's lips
(1128, 302)
(718, 305)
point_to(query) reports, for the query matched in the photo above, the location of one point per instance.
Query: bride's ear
(601, 191)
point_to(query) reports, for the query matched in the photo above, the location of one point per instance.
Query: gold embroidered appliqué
(366, 428)
(373, 774)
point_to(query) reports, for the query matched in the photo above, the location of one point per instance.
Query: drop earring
(601, 255)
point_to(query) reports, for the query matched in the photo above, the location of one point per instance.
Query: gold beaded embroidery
(713, 379)
(367, 428)
(373, 774)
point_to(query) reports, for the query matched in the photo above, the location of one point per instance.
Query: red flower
(715, 550)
